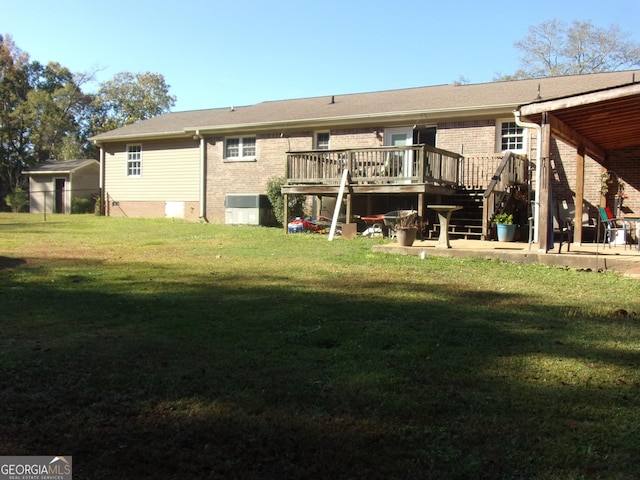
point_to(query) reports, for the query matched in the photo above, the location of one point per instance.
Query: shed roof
(60, 166)
(420, 104)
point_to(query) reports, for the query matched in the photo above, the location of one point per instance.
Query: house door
(60, 194)
(401, 162)
(426, 136)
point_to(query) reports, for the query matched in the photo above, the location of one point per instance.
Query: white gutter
(536, 203)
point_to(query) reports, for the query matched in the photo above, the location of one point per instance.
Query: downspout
(536, 203)
(101, 180)
(203, 177)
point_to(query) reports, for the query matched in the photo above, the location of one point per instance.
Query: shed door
(60, 194)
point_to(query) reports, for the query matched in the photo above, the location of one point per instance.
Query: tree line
(46, 114)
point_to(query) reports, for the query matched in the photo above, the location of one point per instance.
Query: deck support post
(421, 212)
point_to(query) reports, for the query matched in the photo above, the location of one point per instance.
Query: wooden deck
(418, 170)
(410, 169)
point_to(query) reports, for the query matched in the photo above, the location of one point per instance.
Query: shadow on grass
(256, 377)
(8, 262)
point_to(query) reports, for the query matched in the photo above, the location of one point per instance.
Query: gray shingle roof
(431, 101)
(62, 166)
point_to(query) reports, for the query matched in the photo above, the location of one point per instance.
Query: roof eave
(410, 117)
(537, 108)
(60, 172)
(132, 137)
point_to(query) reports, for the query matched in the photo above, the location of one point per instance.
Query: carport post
(545, 185)
(579, 198)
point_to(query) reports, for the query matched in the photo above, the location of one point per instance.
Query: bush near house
(82, 205)
(274, 193)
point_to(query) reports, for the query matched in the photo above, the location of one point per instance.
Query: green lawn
(169, 350)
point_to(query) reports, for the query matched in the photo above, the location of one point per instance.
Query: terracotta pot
(406, 235)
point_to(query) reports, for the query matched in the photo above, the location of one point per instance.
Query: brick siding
(251, 177)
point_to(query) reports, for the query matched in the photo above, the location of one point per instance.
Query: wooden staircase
(506, 191)
(466, 223)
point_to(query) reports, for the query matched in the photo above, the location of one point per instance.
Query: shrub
(18, 200)
(97, 209)
(274, 192)
(82, 205)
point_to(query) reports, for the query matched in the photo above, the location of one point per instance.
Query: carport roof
(608, 118)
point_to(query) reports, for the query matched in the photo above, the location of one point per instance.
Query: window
(511, 137)
(322, 141)
(240, 147)
(134, 160)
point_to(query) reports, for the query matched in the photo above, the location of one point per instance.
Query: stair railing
(512, 171)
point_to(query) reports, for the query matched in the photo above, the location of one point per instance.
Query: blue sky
(219, 53)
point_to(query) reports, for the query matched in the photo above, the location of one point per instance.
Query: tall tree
(41, 111)
(554, 48)
(44, 114)
(14, 88)
(53, 110)
(128, 98)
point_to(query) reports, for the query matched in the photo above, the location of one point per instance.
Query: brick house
(189, 164)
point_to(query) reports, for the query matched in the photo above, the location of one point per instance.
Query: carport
(595, 123)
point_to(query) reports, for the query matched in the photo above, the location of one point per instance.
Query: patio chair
(612, 228)
(565, 225)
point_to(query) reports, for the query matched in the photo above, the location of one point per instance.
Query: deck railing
(414, 164)
(477, 172)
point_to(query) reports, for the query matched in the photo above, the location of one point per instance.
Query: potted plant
(505, 227)
(406, 228)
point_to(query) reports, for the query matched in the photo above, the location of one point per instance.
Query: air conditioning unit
(248, 209)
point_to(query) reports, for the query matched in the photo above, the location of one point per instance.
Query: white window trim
(499, 123)
(241, 158)
(315, 139)
(129, 160)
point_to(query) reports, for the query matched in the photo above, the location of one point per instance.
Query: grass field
(168, 350)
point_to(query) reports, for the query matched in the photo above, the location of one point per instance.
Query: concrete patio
(588, 256)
